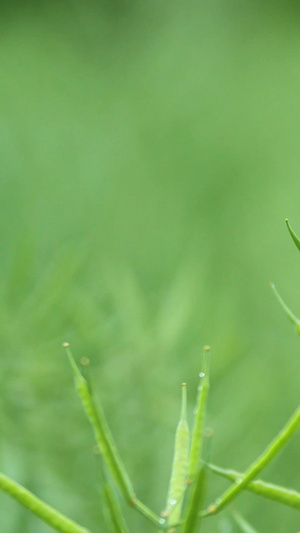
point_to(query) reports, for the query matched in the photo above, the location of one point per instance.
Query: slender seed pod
(261, 462)
(191, 521)
(102, 432)
(287, 311)
(106, 443)
(242, 523)
(270, 491)
(113, 510)
(200, 411)
(177, 484)
(45, 512)
(293, 234)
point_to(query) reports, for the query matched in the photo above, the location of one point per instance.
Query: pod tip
(206, 348)
(65, 344)
(84, 361)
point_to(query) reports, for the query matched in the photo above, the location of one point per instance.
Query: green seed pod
(113, 510)
(200, 411)
(191, 521)
(45, 512)
(102, 432)
(293, 234)
(262, 488)
(177, 484)
(106, 443)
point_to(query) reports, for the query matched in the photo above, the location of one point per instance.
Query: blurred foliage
(149, 156)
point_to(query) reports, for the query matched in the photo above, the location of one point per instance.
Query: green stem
(45, 512)
(141, 508)
(262, 488)
(191, 521)
(261, 462)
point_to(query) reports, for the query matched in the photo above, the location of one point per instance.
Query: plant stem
(45, 512)
(262, 488)
(192, 519)
(261, 462)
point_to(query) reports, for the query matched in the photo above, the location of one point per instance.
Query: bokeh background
(150, 152)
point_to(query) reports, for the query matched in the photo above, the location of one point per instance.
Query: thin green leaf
(178, 484)
(242, 523)
(45, 512)
(200, 411)
(293, 234)
(270, 491)
(287, 311)
(261, 462)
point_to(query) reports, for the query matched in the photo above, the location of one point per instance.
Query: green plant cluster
(185, 507)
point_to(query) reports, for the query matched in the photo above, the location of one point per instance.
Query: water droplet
(202, 375)
(173, 501)
(162, 521)
(218, 501)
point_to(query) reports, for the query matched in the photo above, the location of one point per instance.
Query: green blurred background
(150, 152)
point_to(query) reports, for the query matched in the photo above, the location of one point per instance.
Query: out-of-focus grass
(149, 156)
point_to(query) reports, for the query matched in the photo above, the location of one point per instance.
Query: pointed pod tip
(207, 348)
(293, 234)
(76, 371)
(183, 384)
